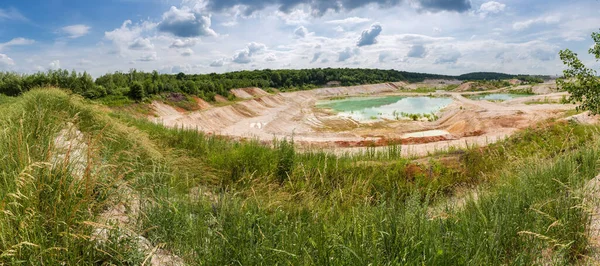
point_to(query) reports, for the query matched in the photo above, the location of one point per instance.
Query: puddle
(387, 107)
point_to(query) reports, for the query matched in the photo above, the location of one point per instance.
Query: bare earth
(293, 114)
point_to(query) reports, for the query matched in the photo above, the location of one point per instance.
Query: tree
(581, 82)
(137, 91)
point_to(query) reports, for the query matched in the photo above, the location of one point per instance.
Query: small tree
(581, 82)
(136, 91)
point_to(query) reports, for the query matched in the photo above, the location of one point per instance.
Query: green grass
(524, 91)
(214, 201)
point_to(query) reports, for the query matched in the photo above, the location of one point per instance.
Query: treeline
(501, 76)
(138, 85)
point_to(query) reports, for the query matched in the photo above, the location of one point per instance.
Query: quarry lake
(387, 107)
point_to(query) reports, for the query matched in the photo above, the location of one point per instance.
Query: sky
(205, 36)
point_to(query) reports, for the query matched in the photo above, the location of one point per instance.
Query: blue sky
(204, 36)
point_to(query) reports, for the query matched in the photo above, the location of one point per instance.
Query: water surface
(388, 107)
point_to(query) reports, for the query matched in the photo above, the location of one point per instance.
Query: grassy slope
(213, 201)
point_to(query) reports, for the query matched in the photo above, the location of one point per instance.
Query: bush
(137, 91)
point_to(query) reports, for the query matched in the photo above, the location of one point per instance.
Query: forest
(138, 85)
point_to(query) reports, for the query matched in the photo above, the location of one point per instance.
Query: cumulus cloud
(448, 58)
(141, 44)
(187, 43)
(271, 58)
(5, 60)
(16, 42)
(348, 21)
(255, 48)
(301, 32)
(128, 33)
(522, 25)
(148, 57)
(417, 51)
(187, 52)
(186, 23)
(320, 7)
(244, 56)
(369, 37)
(347, 54)
(75, 31)
(217, 63)
(491, 7)
(54, 65)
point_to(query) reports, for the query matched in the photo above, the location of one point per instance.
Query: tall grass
(46, 208)
(533, 216)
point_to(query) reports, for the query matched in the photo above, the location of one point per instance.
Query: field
(84, 184)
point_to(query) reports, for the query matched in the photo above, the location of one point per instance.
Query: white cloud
(6, 61)
(347, 53)
(186, 22)
(54, 65)
(148, 57)
(301, 32)
(76, 31)
(348, 21)
(491, 7)
(187, 52)
(187, 43)
(16, 42)
(450, 57)
(417, 51)
(141, 44)
(522, 25)
(369, 36)
(217, 63)
(128, 32)
(271, 58)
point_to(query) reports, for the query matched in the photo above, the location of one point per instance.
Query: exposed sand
(293, 114)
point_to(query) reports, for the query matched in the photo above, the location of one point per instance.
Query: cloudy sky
(204, 36)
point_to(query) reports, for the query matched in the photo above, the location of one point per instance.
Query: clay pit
(263, 116)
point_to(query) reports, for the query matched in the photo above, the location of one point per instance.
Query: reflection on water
(389, 107)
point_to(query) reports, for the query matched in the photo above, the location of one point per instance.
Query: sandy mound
(514, 82)
(202, 103)
(464, 87)
(241, 94)
(398, 85)
(256, 92)
(220, 99)
(584, 118)
(162, 110)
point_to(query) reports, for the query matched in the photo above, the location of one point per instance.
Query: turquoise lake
(388, 107)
